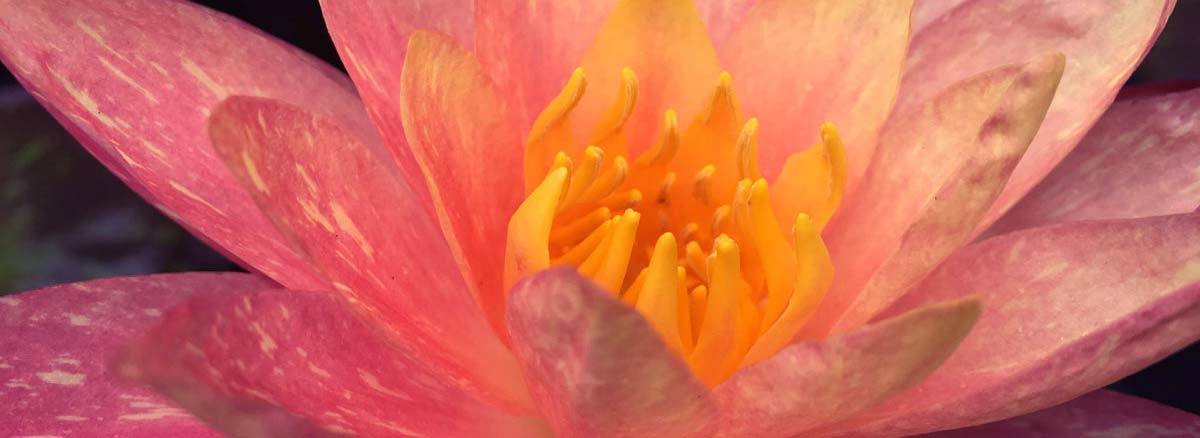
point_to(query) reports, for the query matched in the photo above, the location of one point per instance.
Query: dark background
(64, 218)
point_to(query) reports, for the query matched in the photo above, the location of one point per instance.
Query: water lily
(621, 218)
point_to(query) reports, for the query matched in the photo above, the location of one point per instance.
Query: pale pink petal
(798, 64)
(926, 12)
(597, 368)
(136, 89)
(314, 355)
(937, 171)
(58, 343)
(810, 384)
(468, 148)
(1103, 41)
(372, 39)
(1141, 159)
(1071, 308)
(721, 17)
(530, 48)
(1098, 414)
(363, 227)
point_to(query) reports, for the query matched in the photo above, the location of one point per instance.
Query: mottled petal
(1098, 414)
(469, 149)
(937, 171)
(314, 355)
(372, 40)
(809, 384)
(927, 12)
(596, 367)
(1071, 308)
(798, 64)
(1141, 159)
(136, 90)
(530, 48)
(58, 343)
(1103, 41)
(363, 227)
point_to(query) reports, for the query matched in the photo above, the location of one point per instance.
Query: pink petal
(468, 149)
(1071, 307)
(931, 11)
(372, 40)
(314, 355)
(530, 49)
(597, 368)
(809, 384)
(59, 341)
(721, 17)
(136, 89)
(1098, 414)
(1141, 159)
(798, 64)
(937, 171)
(1103, 42)
(363, 227)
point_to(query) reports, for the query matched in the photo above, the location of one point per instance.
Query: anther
(668, 143)
(702, 184)
(747, 151)
(664, 189)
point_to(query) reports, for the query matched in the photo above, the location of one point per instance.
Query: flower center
(685, 232)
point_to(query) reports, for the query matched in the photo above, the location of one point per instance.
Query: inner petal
(686, 232)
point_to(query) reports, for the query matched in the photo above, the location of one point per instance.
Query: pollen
(685, 231)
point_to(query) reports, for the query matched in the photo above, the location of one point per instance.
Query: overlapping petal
(315, 355)
(1098, 414)
(530, 48)
(596, 367)
(467, 146)
(798, 64)
(58, 343)
(1141, 159)
(1102, 40)
(363, 227)
(372, 41)
(936, 172)
(136, 90)
(1071, 307)
(664, 42)
(810, 384)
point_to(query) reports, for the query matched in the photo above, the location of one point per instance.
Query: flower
(837, 290)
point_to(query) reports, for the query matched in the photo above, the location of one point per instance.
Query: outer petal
(312, 354)
(59, 341)
(921, 198)
(1103, 42)
(1072, 307)
(364, 229)
(1098, 414)
(810, 384)
(530, 48)
(469, 150)
(372, 40)
(798, 64)
(136, 90)
(1141, 159)
(597, 368)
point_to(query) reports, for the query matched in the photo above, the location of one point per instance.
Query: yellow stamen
(585, 173)
(551, 129)
(577, 254)
(715, 357)
(753, 291)
(579, 229)
(658, 299)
